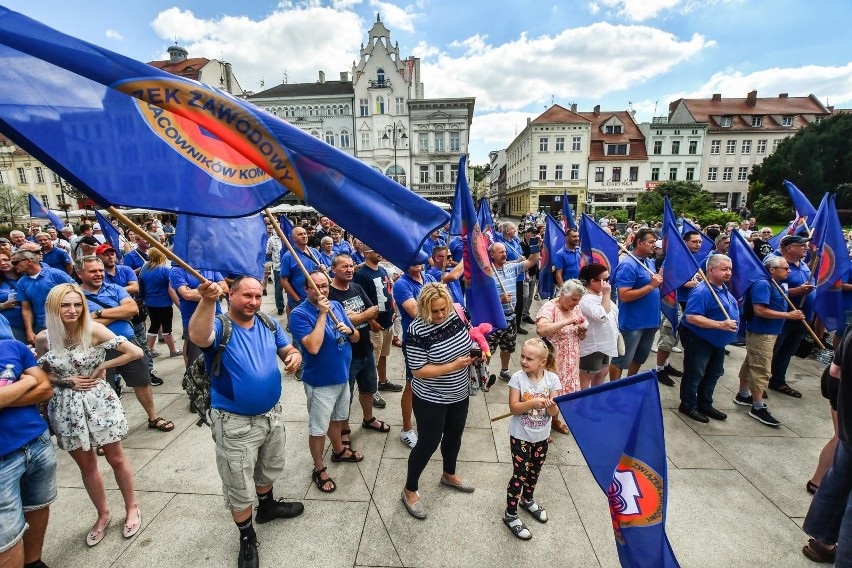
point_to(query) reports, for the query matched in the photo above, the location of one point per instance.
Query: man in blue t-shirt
(245, 414)
(137, 258)
(186, 286)
(53, 256)
(567, 260)
(28, 464)
(770, 312)
(441, 271)
(33, 287)
(292, 277)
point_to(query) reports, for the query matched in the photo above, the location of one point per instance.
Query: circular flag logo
(635, 496)
(826, 264)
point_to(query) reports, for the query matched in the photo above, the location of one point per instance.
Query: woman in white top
(601, 313)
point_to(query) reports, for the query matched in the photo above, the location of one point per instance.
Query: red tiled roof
(772, 109)
(17, 151)
(630, 134)
(189, 68)
(559, 115)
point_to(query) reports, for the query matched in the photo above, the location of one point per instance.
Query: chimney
(344, 76)
(597, 110)
(717, 97)
(321, 77)
(751, 99)
(573, 107)
(783, 96)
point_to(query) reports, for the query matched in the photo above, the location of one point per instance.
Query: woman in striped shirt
(438, 352)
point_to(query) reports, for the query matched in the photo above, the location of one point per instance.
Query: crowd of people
(81, 321)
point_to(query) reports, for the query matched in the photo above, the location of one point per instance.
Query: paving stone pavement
(736, 490)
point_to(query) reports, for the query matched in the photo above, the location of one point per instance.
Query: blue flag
(801, 204)
(286, 226)
(486, 222)
(597, 245)
(707, 244)
(832, 268)
(126, 133)
(567, 213)
(746, 268)
(42, 212)
(679, 267)
(226, 245)
(619, 429)
(111, 234)
(668, 220)
(481, 298)
(554, 239)
(819, 221)
(792, 228)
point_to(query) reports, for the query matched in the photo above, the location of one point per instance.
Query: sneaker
(378, 401)
(248, 554)
(505, 376)
(390, 387)
(517, 526)
(743, 400)
(278, 509)
(653, 349)
(155, 380)
(671, 370)
(155, 354)
(762, 415)
(677, 349)
(409, 438)
(665, 379)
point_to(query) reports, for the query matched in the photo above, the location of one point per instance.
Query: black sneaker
(522, 331)
(743, 400)
(155, 380)
(378, 401)
(713, 413)
(248, 554)
(278, 509)
(390, 387)
(505, 376)
(672, 371)
(762, 415)
(665, 379)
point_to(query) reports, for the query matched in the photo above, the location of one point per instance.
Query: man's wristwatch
(97, 313)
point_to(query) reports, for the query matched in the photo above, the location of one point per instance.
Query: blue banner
(746, 267)
(597, 245)
(554, 239)
(567, 213)
(42, 212)
(707, 244)
(486, 222)
(618, 427)
(110, 233)
(126, 133)
(801, 204)
(232, 246)
(832, 268)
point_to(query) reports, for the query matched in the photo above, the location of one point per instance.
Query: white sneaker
(677, 349)
(409, 438)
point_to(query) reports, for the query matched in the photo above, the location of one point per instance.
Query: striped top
(437, 344)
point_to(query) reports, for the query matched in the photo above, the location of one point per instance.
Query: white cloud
(112, 34)
(639, 10)
(473, 45)
(344, 4)
(499, 128)
(424, 51)
(592, 60)
(594, 8)
(394, 17)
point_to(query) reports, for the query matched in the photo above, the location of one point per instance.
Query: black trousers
(437, 424)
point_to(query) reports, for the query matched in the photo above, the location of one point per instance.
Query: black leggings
(527, 459)
(437, 424)
(160, 317)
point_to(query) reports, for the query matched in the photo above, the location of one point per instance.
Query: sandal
(375, 424)
(785, 389)
(352, 456)
(347, 443)
(811, 487)
(161, 424)
(177, 353)
(518, 528)
(537, 511)
(321, 483)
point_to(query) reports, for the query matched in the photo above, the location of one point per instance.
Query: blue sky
(515, 57)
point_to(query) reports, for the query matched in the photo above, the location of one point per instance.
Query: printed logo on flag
(479, 250)
(826, 264)
(598, 257)
(635, 496)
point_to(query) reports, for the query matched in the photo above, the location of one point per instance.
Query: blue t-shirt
(290, 270)
(34, 289)
(376, 284)
(56, 258)
(155, 286)
(643, 313)
(135, 259)
(111, 295)
(702, 302)
(179, 277)
(406, 288)
(250, 382)
(454, 287)
(330, 366)
(343, 247)
(13, 315)
(568, 261)
(763, 292)
(797, 276)
(429, 244)
(325, 259)
(18, 425)
(124, 275)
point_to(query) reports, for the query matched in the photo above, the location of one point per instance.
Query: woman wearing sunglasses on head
(601, 343)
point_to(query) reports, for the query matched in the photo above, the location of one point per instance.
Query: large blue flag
(669, 219)
(126, 133)
(486, 222)
(286, 226)
(554, 239)
(598, 245)
(567, 213)
(746, 267)
(707, 244)
(819, 221)
(42, 212)
(481, 298)
(619, 429)
(832, 269)
(111, 234)
(792, 228)
(679, 267)
(801, 203)
(226, 245)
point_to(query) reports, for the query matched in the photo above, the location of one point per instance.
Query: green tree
(480, 172)
(13, 203)
(687, 197)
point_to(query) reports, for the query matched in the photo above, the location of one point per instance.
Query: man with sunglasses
(760, 243)
(33, 287)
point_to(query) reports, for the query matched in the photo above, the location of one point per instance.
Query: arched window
(380, 76)
(346, 110)
(344, 138)
(380, 105)
(315, 133)
(329, 137)
(397, 173)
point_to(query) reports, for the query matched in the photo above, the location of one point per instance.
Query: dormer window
(726, 122)
(613, 129)
(787, 121)
(757, 121)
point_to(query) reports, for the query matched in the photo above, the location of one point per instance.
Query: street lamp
(396, 134)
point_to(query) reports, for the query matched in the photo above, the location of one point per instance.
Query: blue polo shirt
(250, 382)
(429, 244)
(18, 425)
(135, 259)
(179, 277)
(325, 259)
(406, 288)
(13, 315)
(56, 258)
(124, 275)
(454, 287)
(343, 247)
(763, 292)
(568, 261)
(290, 270)
(797, 276)
(111, 295)
(682, 293)
(330, 366)
(702, 302)
(34, 289)
(643, 313)
(155, 285)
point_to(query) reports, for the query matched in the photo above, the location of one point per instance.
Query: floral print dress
(82, 419)
(566, 344)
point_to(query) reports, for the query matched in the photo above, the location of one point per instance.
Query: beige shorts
(757, 365)
(381, 342)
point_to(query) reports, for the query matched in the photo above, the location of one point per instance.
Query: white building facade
(675, 151)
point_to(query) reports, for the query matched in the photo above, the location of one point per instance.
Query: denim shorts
(637, 346)
(362, 371)
(326, 404)
(27, 483)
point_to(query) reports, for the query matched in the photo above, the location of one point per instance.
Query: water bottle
(7, 377)
(13, 296)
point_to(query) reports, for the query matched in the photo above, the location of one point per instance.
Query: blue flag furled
(486, 222)
(668, 219)
(42, 212)
(707, 243)
(746, 268)
(111, 234)
(481, 298)
(598, 246)
(679, 268)
(567, 213)
(818, 221)
(618, 427)
(832, 268)
(801, 204)
(227, 245)
(126, 133)
(554, 239)
(286, 226)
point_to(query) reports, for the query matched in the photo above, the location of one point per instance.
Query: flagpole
(292, 251)
(634, 257)
(716, 296)
(804, 322)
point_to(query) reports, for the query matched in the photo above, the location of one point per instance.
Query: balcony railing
(374, 84)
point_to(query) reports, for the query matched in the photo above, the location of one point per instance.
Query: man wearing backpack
(245, 413)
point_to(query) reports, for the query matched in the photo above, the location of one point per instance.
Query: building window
(775, 145)
(655, 174)
(400, 105)
(380, 105)
(424, 174)
(746, 147)
(616, 174)
(634, 173)
(439, 173)
(728, 174)
(757, 121)
(560, 144)
(675, 146)
(329, 137)
(616, 149)
(542, 144)
(658, 147)
(672, 174)
(22, 176)
(715, 146)
(613, 129)
(761, 147)
(711, 173)
(439, 141)
(423, 138)
(344, 138)
(742, 174)
(44, 201)
(55, 178)
(599, 174)
(787, 121)
(39, 175)
(726, 122)
(454, 173)
(575, 171)
(693, 146)
(731, 147)
(817, 120)
(557, 174)
(455, 141)
(575, 143)
(690, 174)
(380, 77)
(365, 140)
(364, 106)
(542, 173)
